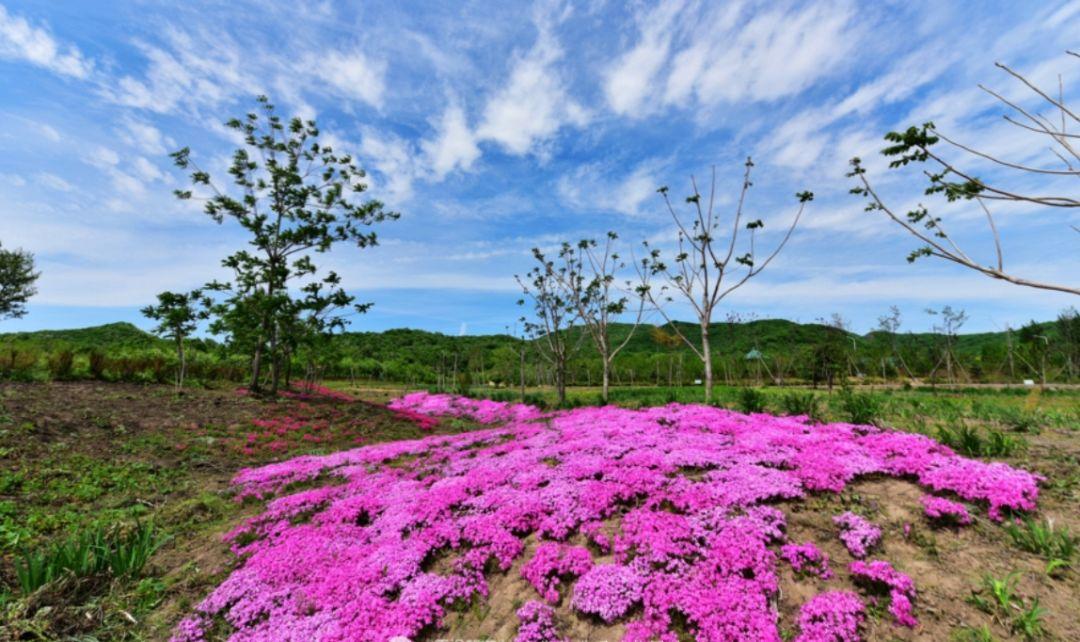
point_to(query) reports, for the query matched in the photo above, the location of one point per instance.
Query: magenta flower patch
(607, 591)
(879, 573)
(679, 497)
(945, 511)
(857, 534)
(807, 558)
(831, 617)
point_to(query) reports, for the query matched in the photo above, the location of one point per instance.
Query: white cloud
(19, 40)
(146, 170)
(774, 54)
(54, 182)
(145, 137)
(395, 159)
(455, 145)
(534, 103)
(353, 74)
(632, 78)
(591, 188)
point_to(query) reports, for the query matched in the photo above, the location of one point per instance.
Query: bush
(751, 400)
(18, 364)
(801, 404)
(861, 408)
(96, 362)
(61, 364)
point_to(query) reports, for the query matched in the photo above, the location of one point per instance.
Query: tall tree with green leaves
(17, 282)
(178, 315)
(295, 197)
(703, 271)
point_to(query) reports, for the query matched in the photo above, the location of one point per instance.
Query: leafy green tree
(17, 279)
(958, 184)
(178, 316)
(703, 272)
(295, 197)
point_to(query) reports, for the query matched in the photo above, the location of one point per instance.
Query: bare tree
(954, 183)
(951, 322)
(889, 324)
(589, 278)
(553, 316)
(703, 271)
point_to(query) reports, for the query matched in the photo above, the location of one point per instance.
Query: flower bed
(687, 486)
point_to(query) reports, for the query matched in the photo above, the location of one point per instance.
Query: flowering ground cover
(664, 520)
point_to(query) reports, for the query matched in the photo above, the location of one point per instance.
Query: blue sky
(494, 127)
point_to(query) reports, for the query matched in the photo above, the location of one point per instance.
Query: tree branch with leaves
(956, 183)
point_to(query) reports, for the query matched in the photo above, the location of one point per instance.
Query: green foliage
(1043, 538)
(751, 400)
(94, 552)
(861, 407)
(60, 364)
(973, 634)
(801, 404)
(17, 279)
(968, 440)
(294, 196)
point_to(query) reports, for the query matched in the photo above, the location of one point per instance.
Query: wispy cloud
(21, 40)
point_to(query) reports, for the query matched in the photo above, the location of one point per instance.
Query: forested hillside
(765, 351)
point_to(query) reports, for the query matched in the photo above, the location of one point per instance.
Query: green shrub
(861, 408)
(801, 404)
(61, 364)
(751, 400)
(96, 362)
(18, 364)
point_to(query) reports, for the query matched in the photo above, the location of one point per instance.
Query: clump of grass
(967, 440)
(861, 407)
(801, 404)
(96, 552)
(751, 400)
(999, 598)
(1043, 538)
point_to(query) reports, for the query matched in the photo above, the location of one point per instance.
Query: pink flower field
(664, 521)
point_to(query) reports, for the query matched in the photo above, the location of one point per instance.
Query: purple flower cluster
(537, 623)
(381, 539)
(807, 558)
(482, 411)
(945, 511)
(551, 563)
(900, 586)
(608, 591)
(831, 617)
(857, 534)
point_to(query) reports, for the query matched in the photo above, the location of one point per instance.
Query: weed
(861, 408)
(972, 634)
(751, 400)
(967, 440)
(93, 552)
(1043, 538)
(804, 404)
(1028, 622)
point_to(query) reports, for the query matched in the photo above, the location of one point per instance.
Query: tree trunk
(707, 359)
(183, 363)
(560, 380)
(607, 377)
(522, 355)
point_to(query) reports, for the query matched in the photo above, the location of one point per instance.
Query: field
(101, 458)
